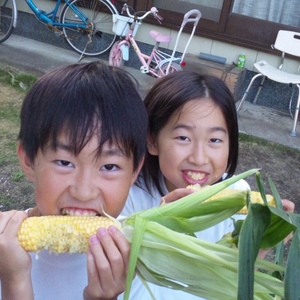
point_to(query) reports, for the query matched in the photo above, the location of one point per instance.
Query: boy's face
(80, 185)
(193, 147)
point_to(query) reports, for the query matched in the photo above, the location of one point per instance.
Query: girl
(192, 139)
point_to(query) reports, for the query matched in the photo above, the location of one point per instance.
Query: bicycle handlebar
(152, 11)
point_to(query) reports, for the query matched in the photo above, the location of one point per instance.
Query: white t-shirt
(139, 199)
(64, 277)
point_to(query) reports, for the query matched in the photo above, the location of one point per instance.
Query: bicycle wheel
(98, 37)
(7, 15)
(115, 56)
(174, 67)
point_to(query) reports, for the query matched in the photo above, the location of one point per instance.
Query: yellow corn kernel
(60, 233)
(254, 196)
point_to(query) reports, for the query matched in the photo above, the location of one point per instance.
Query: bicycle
(86, 25)
(158, 63)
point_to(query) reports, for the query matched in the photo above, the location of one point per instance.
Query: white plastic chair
(286, 42)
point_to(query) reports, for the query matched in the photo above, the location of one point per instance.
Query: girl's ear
(151, 144)
(25, 163)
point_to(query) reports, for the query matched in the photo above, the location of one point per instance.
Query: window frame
(232, 28)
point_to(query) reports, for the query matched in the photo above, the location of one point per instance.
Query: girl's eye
(64, 163)
(110, 167)
(216, 140)
(183, 138)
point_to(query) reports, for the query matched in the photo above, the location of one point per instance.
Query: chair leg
(259, 89)
(247, 90)
(293, 133)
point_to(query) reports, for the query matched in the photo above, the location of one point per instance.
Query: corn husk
(165, 252)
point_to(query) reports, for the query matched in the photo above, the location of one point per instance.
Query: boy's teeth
(78, 212)
(196, 175)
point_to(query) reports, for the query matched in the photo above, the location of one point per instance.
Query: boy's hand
(107, 262)
(15, 263)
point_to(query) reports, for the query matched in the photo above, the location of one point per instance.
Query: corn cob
(60, 233)
(255, 197)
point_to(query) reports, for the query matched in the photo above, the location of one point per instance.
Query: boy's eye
(64, 163)
(110, 167)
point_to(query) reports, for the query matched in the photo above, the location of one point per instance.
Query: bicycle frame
(158, 63)
(50, 17)
(156, 57)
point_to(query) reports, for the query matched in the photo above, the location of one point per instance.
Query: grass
(17, 79)
(15, 86)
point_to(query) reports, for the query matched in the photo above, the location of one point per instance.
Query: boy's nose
(84, 188)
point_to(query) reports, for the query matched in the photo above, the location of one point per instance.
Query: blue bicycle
(85, 24)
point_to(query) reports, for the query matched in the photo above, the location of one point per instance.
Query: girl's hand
(176, 194)
(107, 262)
(15, 262)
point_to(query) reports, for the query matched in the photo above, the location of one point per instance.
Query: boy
(82, 143)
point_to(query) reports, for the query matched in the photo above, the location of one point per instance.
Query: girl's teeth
(196, 176)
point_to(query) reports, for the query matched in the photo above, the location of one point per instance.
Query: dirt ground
(280, 164)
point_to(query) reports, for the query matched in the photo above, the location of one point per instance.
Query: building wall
(272, 95)
(197, 45)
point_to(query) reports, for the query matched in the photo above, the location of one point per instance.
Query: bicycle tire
(96, 39)
(115, 56)
(174, 67)
(7, 16)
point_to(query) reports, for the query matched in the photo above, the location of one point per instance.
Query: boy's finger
(121, 243)
(10, 221)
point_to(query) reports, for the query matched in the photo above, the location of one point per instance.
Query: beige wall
(230, 52)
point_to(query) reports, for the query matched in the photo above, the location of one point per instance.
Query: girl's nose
(198, 155)
(84, 187)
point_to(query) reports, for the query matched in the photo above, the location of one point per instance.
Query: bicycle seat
(158, 37)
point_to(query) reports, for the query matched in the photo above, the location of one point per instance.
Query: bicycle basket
(121, 25)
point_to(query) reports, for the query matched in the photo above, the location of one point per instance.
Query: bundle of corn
(164, 252)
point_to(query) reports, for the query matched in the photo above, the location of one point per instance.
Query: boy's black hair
(169, 95)
(82, 100)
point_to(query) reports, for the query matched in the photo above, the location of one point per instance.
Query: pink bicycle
(158, 63)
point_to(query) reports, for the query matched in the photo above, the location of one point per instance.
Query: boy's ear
(137, 171)
(25, 163)
(151, 144)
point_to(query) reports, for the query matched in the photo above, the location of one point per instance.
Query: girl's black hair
(82, 100)
(169, 95)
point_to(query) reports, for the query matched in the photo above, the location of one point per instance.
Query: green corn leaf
(292, 273)
(207, 214)
(255, 224)
(136, 242)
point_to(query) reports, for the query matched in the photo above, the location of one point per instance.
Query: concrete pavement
(37, 58)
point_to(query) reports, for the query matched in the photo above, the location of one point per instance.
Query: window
(283, 12)
(249, 23)
(210, 9)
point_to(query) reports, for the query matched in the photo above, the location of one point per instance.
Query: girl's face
(82, 184)
(193, 147)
